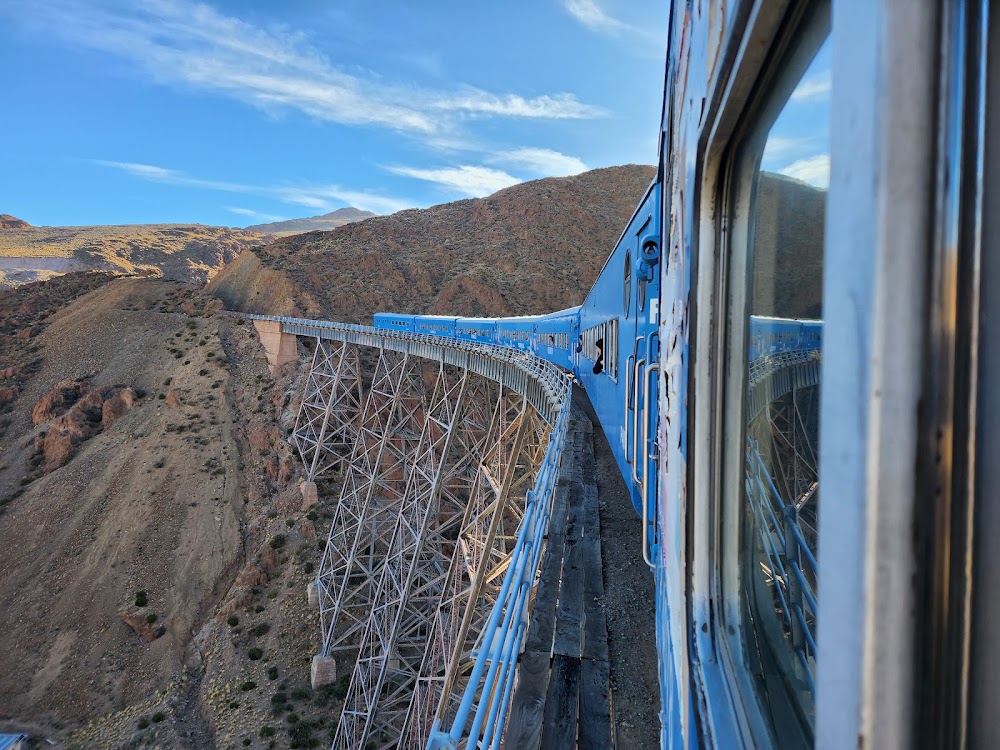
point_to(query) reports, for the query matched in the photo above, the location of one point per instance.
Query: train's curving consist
(791, 343)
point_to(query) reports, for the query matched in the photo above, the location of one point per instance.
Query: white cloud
(815, 170)
(591, 15)
(558, 107)
(173, 177)
(542, 161)
(815, 88)
(194, 46)
(474, 181)
(249, 212)
(321, 197)
(778, 147)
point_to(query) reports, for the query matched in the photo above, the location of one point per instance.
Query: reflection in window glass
(781, 489)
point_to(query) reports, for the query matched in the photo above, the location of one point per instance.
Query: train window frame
(791, 65)
(772, 38)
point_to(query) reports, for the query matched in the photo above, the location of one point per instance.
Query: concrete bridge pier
(280, 346)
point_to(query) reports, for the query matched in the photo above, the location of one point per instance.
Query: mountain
(325, 222)
(532, 248)
(12, 222)
(181, 252)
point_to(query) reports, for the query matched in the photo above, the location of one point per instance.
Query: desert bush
(301, 693)
(266, 731)
(248, 686)
(233, 621)
(261, 629)
(255, 653)
(158, 717)
(143, 723)
(141, 599)
(272, 673)
(277, 541)
(151, 618)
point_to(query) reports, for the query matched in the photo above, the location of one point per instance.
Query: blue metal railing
(486, 700)
(790, 558)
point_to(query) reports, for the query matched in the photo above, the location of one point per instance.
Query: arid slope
(532, 248)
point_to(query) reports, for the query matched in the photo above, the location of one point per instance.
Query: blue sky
(236, 113)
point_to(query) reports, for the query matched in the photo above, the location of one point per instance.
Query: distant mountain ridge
(12, 222)
(183, 252)
(531, 248)
(325, 222)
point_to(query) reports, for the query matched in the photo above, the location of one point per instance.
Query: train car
(770, 336)
(434, 325)
(619, 340)
(478, 330)
(394, 322)
(554, 338)
(516, 333)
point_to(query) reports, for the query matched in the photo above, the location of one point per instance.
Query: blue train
(820, 189)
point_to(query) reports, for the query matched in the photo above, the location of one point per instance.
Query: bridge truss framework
(448, 457)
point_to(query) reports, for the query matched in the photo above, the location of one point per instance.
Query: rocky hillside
(12, 222)
(156, 551)
(182, 252)
(325, 222)
(531, 248)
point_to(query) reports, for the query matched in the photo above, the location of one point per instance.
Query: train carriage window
(779, 196)
(628, 282)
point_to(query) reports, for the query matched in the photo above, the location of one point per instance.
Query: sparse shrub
(151, 618)
(261, 629)
(203, 372)
(141, 599)
(255, 653)
(259, 608)
(301, 693)
(292, 717)
(158, 717)
(266, 731)
(140, 392)
(248, 686)
(289, 522)
(247, 742)
(272, 673)
(277, 541)
(159, 463)
(161, 631)
(161, 396)
(143, 723)
(334, 690)
(279, 699)
(311, 515)
(233, 621)
(307, 568)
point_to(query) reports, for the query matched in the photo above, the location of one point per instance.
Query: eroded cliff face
(533, 248)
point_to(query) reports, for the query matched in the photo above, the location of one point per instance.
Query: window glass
(785, 170)
(628, 281)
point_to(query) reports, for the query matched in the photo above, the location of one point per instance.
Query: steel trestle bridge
(448, 460)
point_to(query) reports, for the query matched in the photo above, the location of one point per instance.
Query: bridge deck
(562, 698)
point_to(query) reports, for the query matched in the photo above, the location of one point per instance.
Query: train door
(640, 336)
